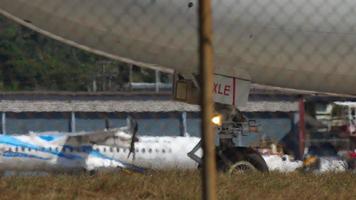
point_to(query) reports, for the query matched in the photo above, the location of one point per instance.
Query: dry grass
(179, 185)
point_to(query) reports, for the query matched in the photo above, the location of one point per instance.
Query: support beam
(183, 124)
(301, 126)
(72, 122)
(206, 85)
(158, 80)
(130, 76)
(3, 123)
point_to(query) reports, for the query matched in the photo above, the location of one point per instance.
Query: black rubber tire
(237, 154)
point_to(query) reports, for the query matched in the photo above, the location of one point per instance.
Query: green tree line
(32, 62)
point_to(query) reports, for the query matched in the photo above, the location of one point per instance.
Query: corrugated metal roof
(131, 106)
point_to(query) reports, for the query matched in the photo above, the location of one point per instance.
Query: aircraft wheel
(242, 160)
(241, 167)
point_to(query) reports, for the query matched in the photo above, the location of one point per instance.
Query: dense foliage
(30, 61)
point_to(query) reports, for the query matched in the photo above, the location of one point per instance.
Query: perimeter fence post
(206, 66)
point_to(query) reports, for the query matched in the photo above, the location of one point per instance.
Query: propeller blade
(133, 127)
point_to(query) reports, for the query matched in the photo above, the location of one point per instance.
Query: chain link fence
(297, 44)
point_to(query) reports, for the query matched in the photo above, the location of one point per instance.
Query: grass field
(179, 185)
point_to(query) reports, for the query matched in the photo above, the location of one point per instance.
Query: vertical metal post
(130, 76)
(301, 127)
(94, 85)
(3, 123)
(157, 80)
(72, 122)
(183, 122)
(206, 83)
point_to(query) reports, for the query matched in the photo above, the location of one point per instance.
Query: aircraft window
(50, 149)
(56, 149)
(104, 149)
(157, 150)
(66, 149)
(10, 149)
(117, 149)
(124, 150)
(88, 150)
(163, 151)
(42, 149)
(143, 150)
(16, 149)
(137, 150)
(97, 149)
(29, 149)
(149, 150)
(22, 148)
(169, 150)
(111, 150)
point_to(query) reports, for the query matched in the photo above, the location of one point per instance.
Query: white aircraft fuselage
(302, 44)
(47, 153)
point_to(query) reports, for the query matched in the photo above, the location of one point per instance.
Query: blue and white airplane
(113, 149)
(94, 151)
(65, 152)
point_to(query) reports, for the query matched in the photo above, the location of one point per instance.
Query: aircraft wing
(111, 137)
(123, 136)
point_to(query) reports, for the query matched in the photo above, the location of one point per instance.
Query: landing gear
(231, 157)
(240, 167)
(231, 124)
(240, 159)
(237, 160)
